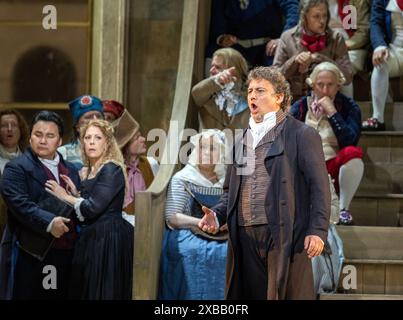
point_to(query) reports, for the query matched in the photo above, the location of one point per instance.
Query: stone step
(383, 159)
(393, 113)
(377, 209)
(373, 260)
(372, 243)
(382, 178)
(341, 296)
(370, 276)
(382, 147)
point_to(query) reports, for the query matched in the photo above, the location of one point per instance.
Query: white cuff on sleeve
(50, 225)
(77, 208)
(379, 48)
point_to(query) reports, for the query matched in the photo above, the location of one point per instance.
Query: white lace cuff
(379, 48)
(77, 208)
(216, 80)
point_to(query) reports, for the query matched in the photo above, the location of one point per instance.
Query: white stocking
(379, 89)
(350, 176)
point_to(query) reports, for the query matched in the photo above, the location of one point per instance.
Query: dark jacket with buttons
(346, 122)
(297, 204)
(380, 24)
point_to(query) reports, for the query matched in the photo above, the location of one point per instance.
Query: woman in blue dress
(103, 255)
(188, 256)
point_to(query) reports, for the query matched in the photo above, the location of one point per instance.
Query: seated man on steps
(337, 118)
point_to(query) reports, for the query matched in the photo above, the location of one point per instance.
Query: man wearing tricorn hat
(83, 109)
(112, 110)
(140, 169)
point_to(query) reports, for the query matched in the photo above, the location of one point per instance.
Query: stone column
(109, 33)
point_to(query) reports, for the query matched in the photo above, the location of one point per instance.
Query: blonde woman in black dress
(103, 257)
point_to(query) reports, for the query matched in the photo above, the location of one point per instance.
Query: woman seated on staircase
(337, 118)
(310, 43)
(189, 255)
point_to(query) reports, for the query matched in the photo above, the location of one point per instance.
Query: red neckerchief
(342, 15)
(400, 4)
(313, 43)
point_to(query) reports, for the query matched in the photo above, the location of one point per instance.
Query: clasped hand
(304, 60)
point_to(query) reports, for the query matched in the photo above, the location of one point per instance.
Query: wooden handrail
(150, 203)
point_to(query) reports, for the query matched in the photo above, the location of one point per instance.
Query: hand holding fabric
(304, 59)
(59, 226)
(70, 186)
(53, 187)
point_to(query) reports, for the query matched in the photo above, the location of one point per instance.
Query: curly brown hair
(277, 80)
(22, 125)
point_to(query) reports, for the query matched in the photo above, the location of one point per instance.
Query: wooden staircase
(374, 245)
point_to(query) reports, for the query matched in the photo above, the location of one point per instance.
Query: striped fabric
(178, 200)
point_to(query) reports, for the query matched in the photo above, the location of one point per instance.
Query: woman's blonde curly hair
(112, 153)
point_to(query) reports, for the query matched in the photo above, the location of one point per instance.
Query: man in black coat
(33, 222)
(277, 206)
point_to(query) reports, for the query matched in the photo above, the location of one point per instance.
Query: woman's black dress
(103, 256)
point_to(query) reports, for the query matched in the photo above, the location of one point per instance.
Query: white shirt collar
(52, 165)
(259, 130)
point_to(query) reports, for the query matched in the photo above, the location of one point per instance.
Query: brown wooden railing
(150, 204)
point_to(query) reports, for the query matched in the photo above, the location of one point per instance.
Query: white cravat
(52, 165)
(259, 130)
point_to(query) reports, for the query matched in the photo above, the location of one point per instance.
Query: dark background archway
(44, 74)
